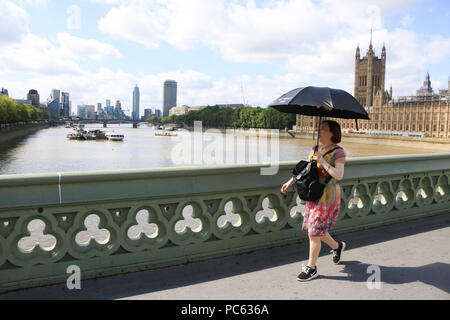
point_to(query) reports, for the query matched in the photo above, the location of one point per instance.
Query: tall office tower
(33, 95)
(136, 98)
(169, 96)
(147, 113)
(55, 94)
(108, 103)
(53, 107)
(65, 104)
(86, 111)
(99, 107)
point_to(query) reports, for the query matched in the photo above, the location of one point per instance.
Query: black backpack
(306, 179)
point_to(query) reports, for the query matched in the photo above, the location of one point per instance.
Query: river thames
(49, 150)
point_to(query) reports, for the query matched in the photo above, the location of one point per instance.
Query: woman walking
(320, 216)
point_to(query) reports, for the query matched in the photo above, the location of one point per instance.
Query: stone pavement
(413, 260)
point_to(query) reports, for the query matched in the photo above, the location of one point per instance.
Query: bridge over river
(227, 232)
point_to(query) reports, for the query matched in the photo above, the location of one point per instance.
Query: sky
(218, 51)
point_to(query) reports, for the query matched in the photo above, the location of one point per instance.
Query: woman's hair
(335, 129)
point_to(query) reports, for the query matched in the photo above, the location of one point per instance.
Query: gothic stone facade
(426, 112)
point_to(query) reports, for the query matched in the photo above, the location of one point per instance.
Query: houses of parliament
(425, 114)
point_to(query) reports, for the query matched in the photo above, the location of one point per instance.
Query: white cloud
(37, 55)
(12, 15)
(243, 31)
(314, 41)
(79, 48)
(32, 2)
(315, 38)
(407, 20)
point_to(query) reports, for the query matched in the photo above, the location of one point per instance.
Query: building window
(383, 126)
(420, 116)
(389, 126)
(428, 127)
(413, 127)
(442, 127)
(376, 126)
(401, 117)
(434, 127)
(401, 126)
(428, 116)
(436, 116)
(420, 127)
(395, 126)
(414, 116)
(407, 127)
(407, 116)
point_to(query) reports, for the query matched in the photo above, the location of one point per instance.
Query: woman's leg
(314, 250)
(330, 241)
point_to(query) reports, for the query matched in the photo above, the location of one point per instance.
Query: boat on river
(115, 136)
(72, 136)
(81, 134)
(95, 135)
(165, 133)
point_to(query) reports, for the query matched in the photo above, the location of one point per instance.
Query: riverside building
(425, 114)
(169, 96)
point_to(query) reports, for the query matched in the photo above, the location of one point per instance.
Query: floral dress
(320, 216)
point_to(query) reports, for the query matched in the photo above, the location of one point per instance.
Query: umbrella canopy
(320, 101)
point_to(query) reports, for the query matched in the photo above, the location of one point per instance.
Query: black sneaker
(337, 254)
(307, 274)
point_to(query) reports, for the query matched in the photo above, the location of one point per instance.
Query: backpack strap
(330, 151)
(330, 177)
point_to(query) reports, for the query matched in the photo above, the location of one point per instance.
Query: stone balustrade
(120, 221)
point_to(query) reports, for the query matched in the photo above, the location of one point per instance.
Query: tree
(13, 111)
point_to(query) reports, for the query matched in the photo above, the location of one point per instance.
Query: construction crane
(243, 97)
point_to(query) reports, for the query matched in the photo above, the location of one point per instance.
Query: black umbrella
(322, 102)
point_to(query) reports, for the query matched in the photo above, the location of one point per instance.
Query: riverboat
(72, 136)
(94, 135)
(165, 133)
(115, 136)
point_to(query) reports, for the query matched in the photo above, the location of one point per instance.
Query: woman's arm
(336, 172)
(287, 185)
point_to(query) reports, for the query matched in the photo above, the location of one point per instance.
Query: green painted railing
(127, 220)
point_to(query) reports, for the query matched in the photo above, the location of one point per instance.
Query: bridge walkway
(413, 259)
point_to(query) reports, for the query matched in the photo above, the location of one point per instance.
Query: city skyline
(88, 50)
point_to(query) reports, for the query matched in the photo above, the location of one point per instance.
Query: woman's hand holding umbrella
(318, 157)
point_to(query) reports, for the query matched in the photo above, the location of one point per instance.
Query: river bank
(10, 133)
(416, 142)
(395, 141)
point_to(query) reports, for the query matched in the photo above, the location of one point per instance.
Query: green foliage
(152, 119)
(13, 111)
(246, 117)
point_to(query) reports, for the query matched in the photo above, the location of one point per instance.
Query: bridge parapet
(119, 221)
